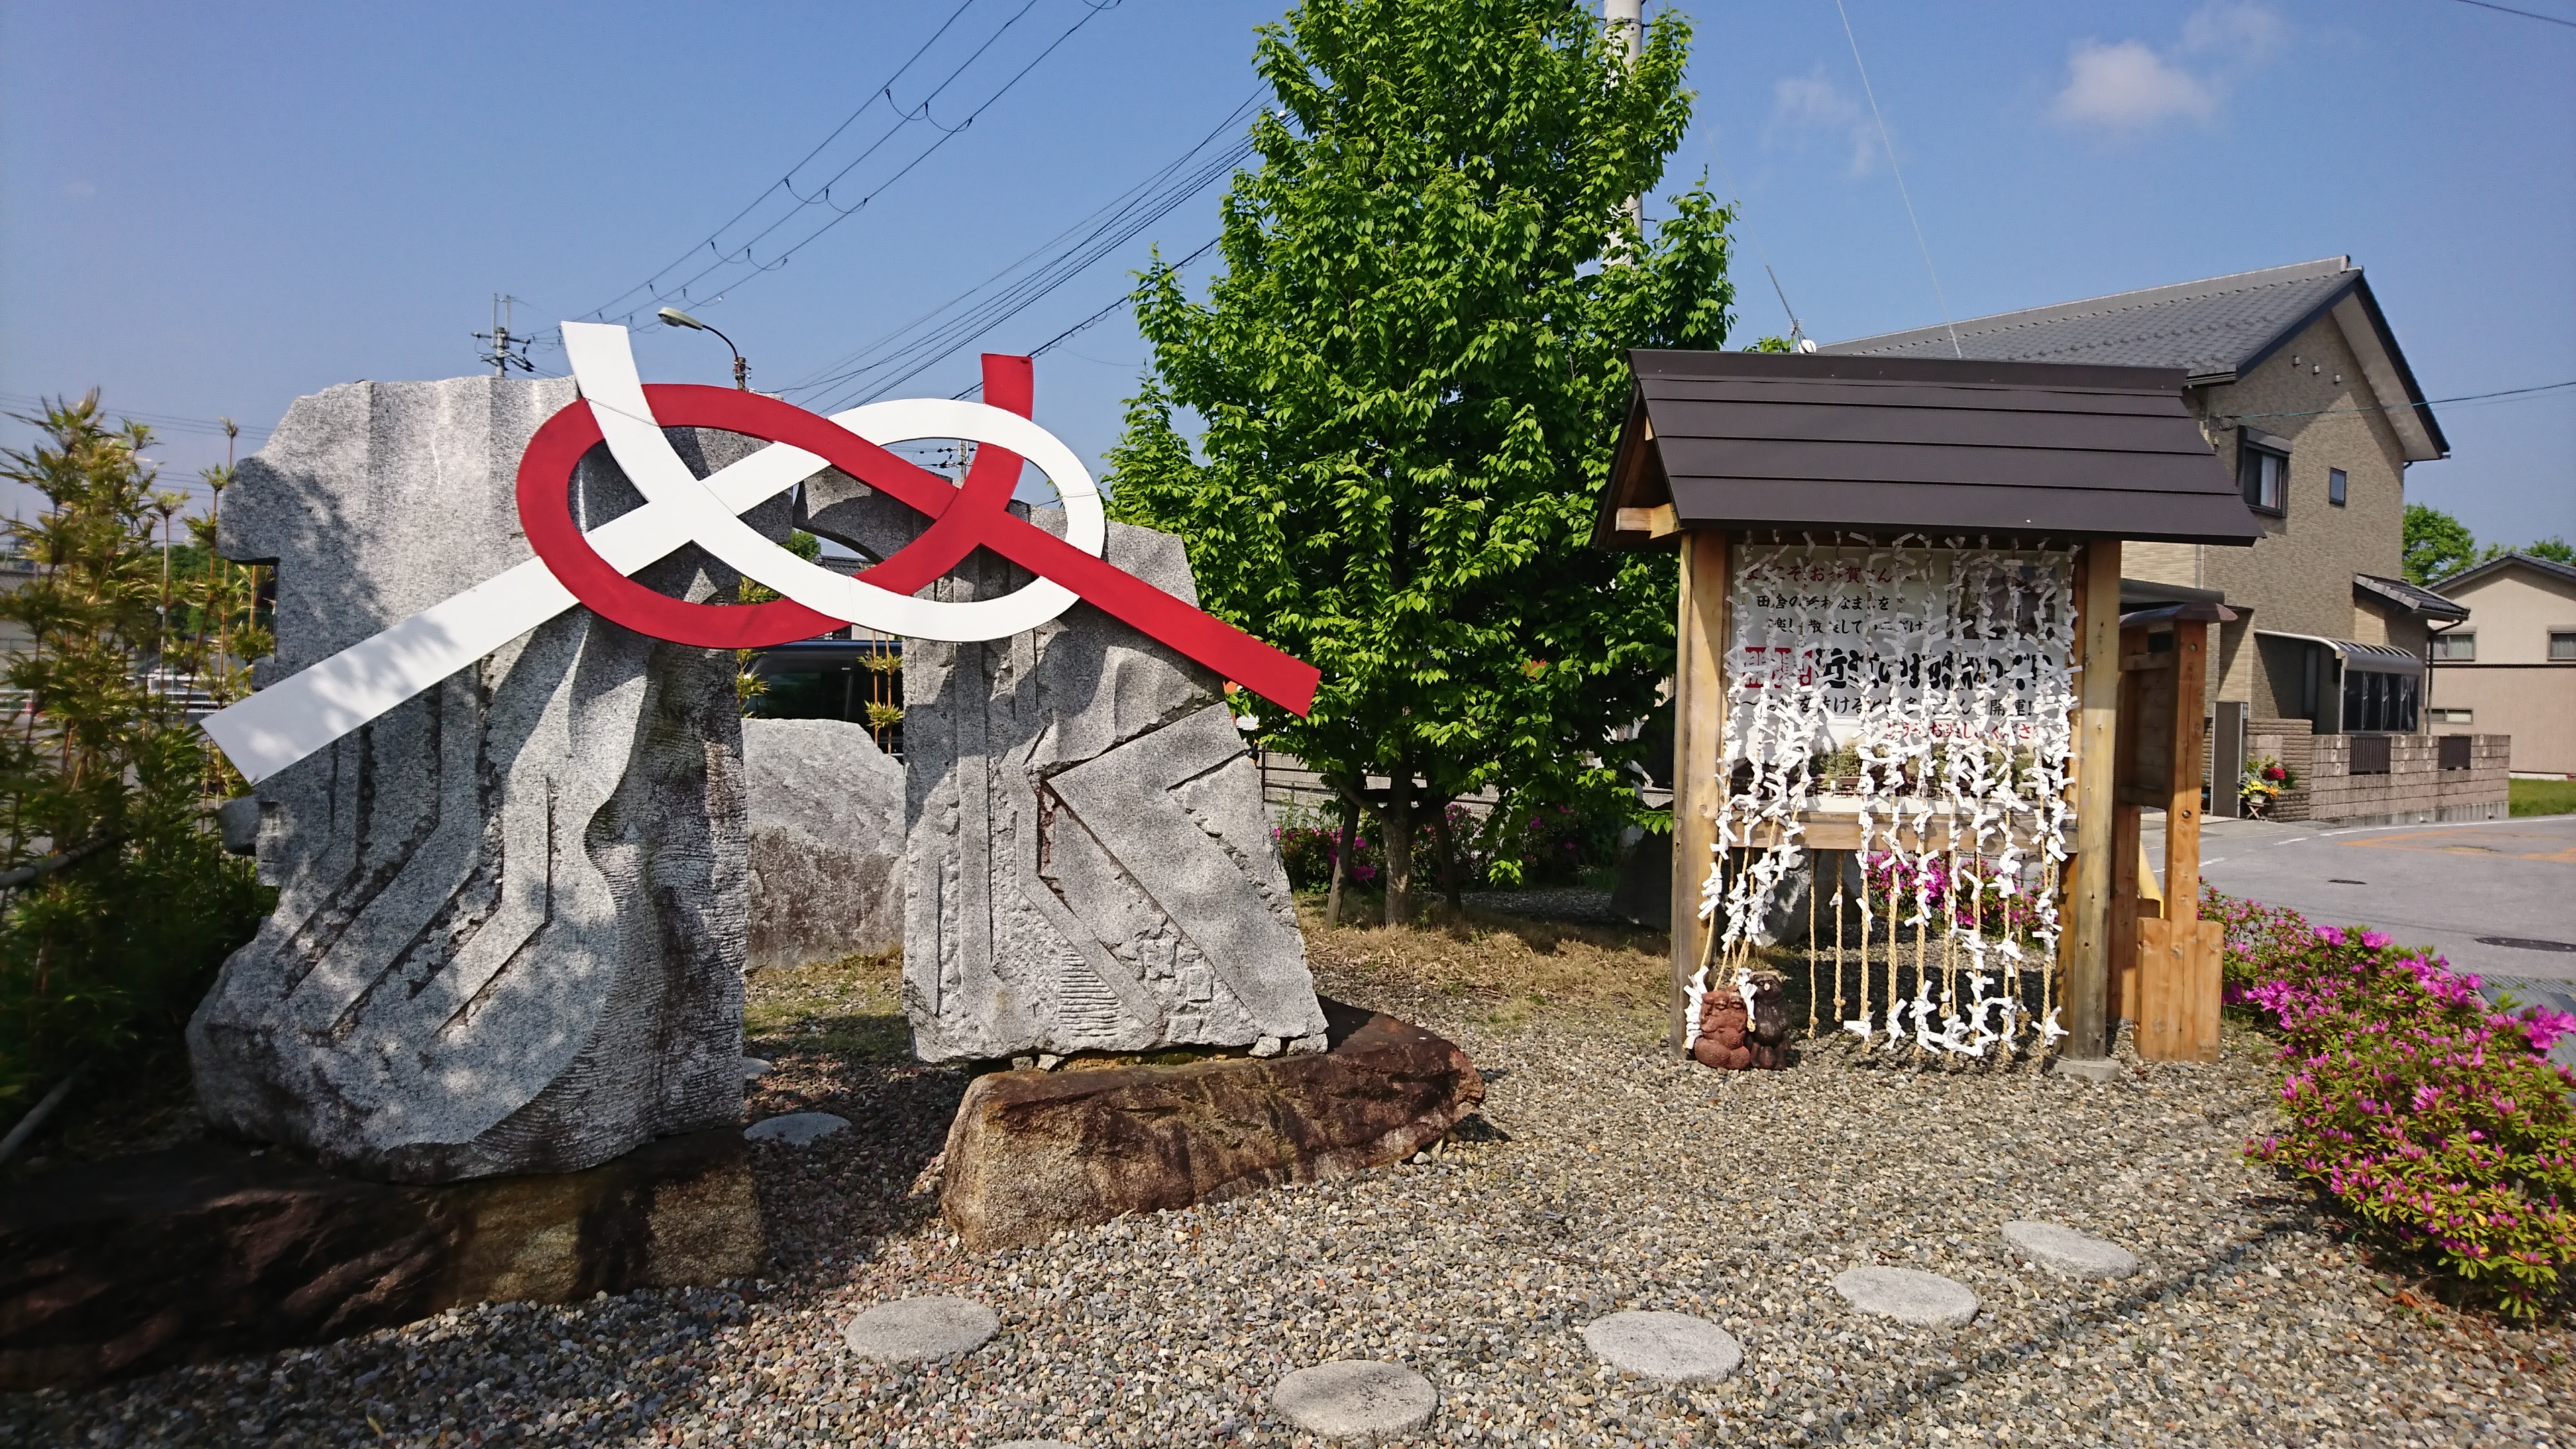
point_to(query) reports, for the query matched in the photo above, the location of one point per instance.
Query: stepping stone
(796, 1129)
(1352, 1399)
(753, 1067)
(2068, 1253)
(1908, 1295)
(910, 1330)
(2094, 1069)
(1671, 1347)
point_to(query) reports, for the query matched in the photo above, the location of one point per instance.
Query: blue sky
(212, 209)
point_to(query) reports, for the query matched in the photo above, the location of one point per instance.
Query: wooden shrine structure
(1720, 449)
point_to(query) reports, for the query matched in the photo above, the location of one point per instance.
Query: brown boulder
(1031, 1152)
(209, 1250)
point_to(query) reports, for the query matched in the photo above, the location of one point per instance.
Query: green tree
(1409, 381)
(2552, 548)
(123, 903)
(2437, 545)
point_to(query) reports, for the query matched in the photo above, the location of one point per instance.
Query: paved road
(2446, 886)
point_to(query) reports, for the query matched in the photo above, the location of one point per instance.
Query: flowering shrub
(1958, 895)
(1308, 850)
(2413, 1104)
(2261, 939)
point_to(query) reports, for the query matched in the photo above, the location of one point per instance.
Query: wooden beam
(1654, 522)
(2179, 957)
(2182, 771)
(1699, 732)
(2087, 941)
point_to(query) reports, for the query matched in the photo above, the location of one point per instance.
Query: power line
(886, 363)
(2429, 402)
(884, 92)
(1899, 173)
(855, 361)
(742, 256)
(2525, 14)
(19, 402)
(1204, 248)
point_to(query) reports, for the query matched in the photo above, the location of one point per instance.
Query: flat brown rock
(208, 1251)
(1031, 1152)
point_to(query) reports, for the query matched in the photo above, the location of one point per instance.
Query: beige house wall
(2534, 703)
(2297, 578)
(2512, 688)
(2513, 610)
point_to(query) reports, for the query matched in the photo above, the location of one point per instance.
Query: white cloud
(2249, 31)
(1812, 104)
(2128, 87)
(2132, 86)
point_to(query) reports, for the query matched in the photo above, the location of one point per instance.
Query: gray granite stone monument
(1088, 863)
(510, 923)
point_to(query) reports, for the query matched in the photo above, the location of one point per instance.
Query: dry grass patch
(1511, 968)
(852, 1007)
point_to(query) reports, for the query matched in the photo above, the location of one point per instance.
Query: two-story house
(2301, 387)
(2511, 668)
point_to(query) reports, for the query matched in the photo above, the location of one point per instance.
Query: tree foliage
(104, 780)
(1409, 381)
(2436, 544)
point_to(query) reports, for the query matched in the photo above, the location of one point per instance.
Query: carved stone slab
(510, 923)
(1089, 867)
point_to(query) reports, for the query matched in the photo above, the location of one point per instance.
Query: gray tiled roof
(2408, 596)
(2211, 328)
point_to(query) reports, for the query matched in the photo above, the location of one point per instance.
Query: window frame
(2249, 455)
(2562, 638)
(2446, 641)
(2338, 487)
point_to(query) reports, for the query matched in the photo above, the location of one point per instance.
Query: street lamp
(673, 316)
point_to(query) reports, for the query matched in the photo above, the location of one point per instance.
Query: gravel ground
(1604, 1177)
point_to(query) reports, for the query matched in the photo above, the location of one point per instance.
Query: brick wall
(2292, 742)
(2416, 789)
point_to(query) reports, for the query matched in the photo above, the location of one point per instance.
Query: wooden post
(2087, 939)
(2179, 956)
(2125, 903)
(1699, 731)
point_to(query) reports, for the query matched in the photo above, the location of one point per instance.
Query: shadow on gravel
(2287, 1219)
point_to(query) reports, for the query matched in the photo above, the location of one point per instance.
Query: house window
(2265, 477)
(2455, 716)
(2373, 702)
(2334, 486)
(2562, 647)
(2459, 646)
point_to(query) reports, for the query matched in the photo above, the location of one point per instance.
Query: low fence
(2376, 779)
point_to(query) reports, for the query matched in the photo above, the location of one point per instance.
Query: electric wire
(1899, 173)
(743, 257)
(883, 92)
(856, 360)
(2428, 402)
(1042, 348)
(2525, 14)
(886, 363)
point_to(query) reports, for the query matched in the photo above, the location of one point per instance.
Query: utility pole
(507, 351)
(1627, 22)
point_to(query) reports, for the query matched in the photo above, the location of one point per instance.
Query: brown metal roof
(1785, 440)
